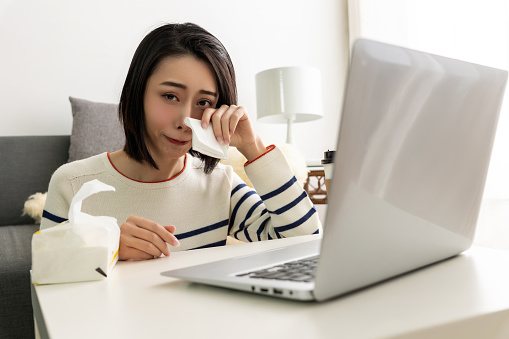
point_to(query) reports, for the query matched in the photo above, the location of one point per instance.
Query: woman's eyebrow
(178, 85)
(173, 84)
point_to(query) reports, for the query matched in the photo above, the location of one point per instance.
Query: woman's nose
(184, 112)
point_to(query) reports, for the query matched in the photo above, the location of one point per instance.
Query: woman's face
(179, 87)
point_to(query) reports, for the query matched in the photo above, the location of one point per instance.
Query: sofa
(26, 167)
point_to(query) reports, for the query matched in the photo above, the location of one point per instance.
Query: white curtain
(470, 30)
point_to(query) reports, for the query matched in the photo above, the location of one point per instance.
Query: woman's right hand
(144, 239)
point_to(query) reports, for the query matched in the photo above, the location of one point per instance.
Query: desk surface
(466, 296)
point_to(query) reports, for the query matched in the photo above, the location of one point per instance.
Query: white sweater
(204, 208)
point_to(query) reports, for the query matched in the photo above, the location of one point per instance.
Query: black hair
(171, 40)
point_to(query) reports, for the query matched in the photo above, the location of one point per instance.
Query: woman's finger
(161, 232)
(148, 242)
(235, 118)
(226, 123)
(170, 229)
(206, 116)
(132, 236)
(126, 253)
(216, 122)
(144, 239)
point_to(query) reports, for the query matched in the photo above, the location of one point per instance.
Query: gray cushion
(26, 168)
(95, 129)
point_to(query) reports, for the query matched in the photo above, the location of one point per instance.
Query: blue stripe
(261, 228)
(52, 217)
(317, 231)
(237, 206)
(238, 187)
(248, 215)
(246, 233)
(290, 205)
(280, 189)
(296, 223)
(202, 230)
(215, 244)
(242, 225)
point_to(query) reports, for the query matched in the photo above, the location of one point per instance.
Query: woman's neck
(143, 171)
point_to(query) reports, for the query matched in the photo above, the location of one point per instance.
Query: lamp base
(289, 135)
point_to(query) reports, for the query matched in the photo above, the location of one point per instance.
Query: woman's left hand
(231, 125)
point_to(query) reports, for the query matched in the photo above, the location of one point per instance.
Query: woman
(164, 196)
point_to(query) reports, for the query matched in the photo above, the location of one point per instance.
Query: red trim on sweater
(269, 148)
(149, 182)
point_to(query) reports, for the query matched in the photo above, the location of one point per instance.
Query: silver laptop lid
(413, 153)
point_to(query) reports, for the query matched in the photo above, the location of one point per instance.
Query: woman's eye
(204, 103)
(170, 97)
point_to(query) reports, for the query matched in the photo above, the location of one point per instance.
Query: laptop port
(278, 291)
(264, 290)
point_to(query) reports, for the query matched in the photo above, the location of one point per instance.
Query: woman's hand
(144, 239)
(231, 125)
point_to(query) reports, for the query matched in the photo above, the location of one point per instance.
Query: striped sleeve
(60, 193)
(278, 207)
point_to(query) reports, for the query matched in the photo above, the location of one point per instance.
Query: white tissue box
(84, 248)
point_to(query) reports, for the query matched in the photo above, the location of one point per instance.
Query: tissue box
(82, 249)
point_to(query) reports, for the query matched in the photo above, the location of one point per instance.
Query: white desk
(464, 297)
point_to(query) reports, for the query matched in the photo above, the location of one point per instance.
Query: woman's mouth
(177, 142)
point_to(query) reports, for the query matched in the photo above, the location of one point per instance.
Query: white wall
(54, 49)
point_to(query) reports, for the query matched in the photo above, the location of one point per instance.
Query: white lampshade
(289, 94)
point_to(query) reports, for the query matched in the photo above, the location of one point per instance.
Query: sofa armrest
(26, 166)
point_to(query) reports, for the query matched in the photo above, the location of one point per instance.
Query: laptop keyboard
(302, 270)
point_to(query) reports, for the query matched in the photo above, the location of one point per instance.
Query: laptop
(411, 161)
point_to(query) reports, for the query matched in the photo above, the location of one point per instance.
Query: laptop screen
(417, 133)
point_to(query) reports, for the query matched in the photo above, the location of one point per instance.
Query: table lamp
(289, 95)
